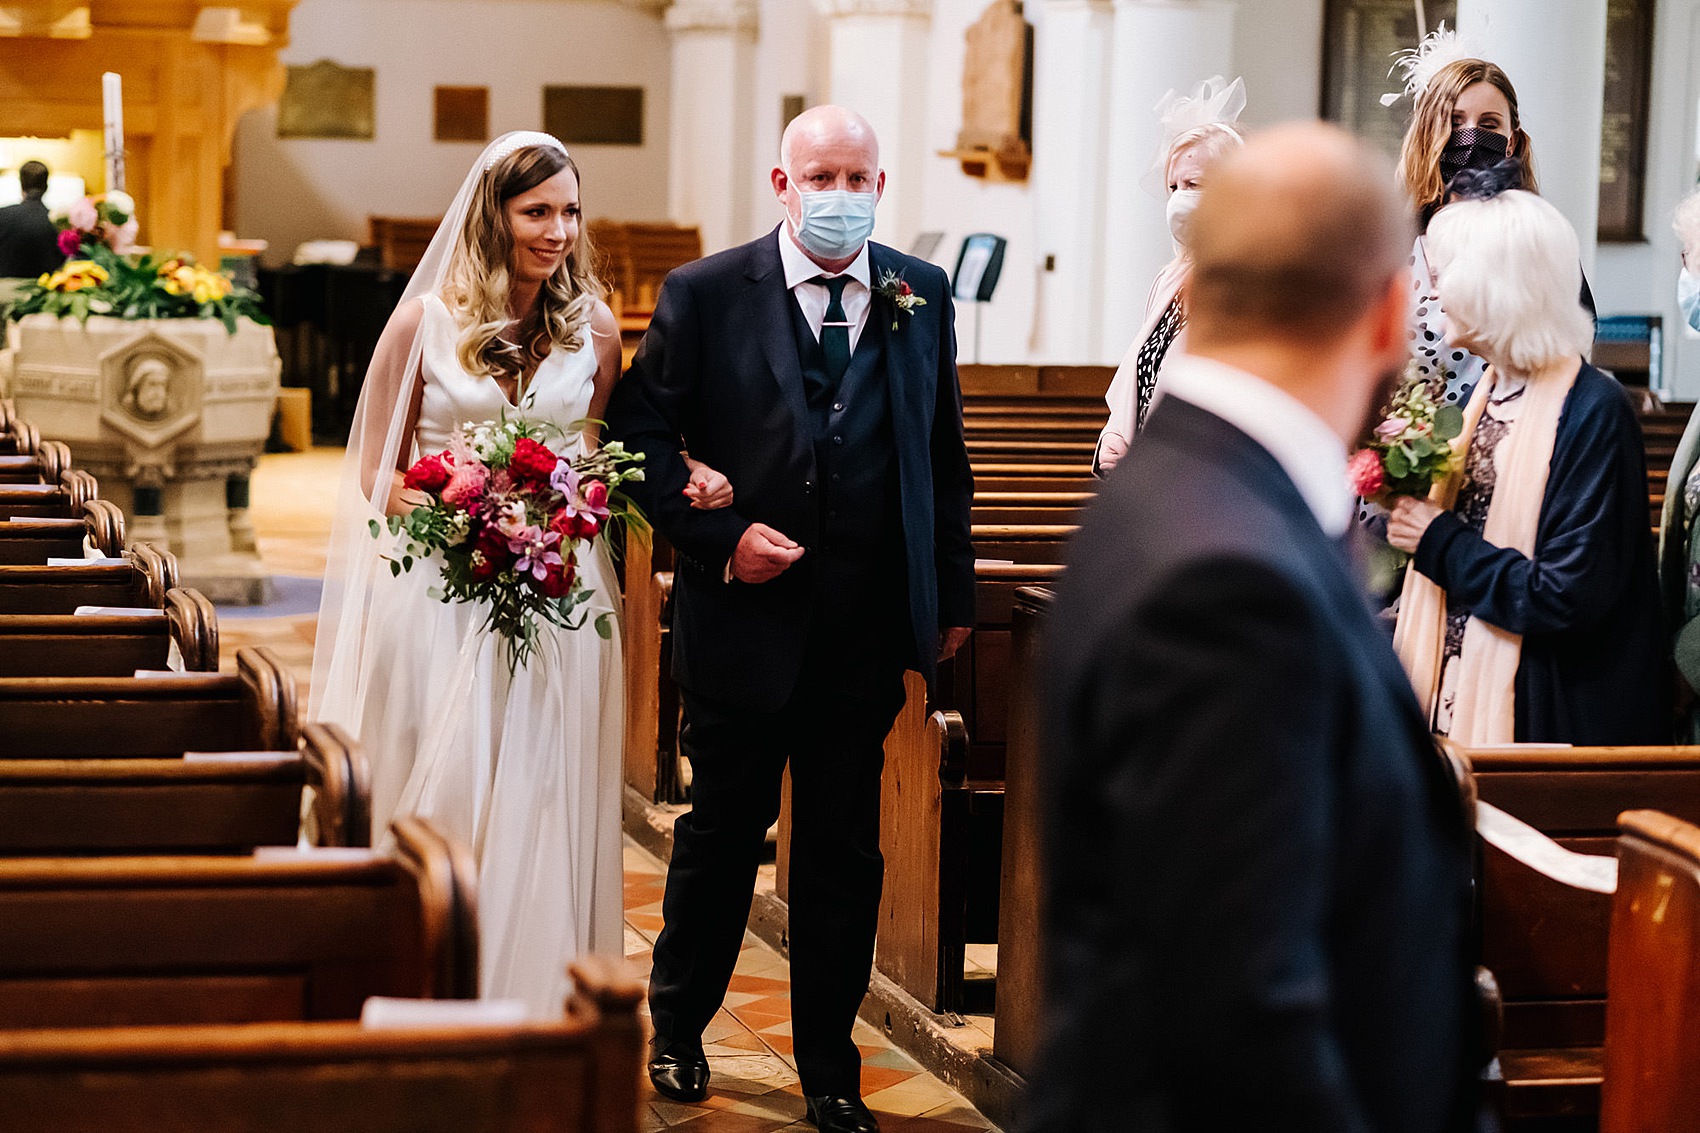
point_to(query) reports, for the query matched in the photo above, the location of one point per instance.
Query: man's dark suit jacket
(1258, 869)
(29, 241)
(719, 367)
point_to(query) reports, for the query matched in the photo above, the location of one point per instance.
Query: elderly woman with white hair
(1196, 130)
(1679, 535)
(1532, 614)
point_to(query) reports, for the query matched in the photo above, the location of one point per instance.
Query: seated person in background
(1532, 612)
(1196, 131)
(29, 240)
(1679, 549)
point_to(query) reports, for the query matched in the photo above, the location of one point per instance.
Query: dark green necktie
(835, 328)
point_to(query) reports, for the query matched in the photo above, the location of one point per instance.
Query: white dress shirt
(812, 297)
(1311, 453)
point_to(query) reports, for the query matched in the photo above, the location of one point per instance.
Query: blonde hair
(1212, 140)
(1508, 271)
(1687, 225)
(1431, 129)
(480, 274)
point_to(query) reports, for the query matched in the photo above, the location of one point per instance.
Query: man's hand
(763, 554)
(706, 488)
(1409, 520)
(951, 639)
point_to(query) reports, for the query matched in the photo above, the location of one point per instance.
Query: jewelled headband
(519, 140)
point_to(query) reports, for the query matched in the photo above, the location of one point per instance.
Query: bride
(502, 317)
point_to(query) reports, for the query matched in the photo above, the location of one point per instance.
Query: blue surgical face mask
(835, 222)
(1688, 297)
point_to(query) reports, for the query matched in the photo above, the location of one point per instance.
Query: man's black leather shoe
(841, 1115)
(679, 1071)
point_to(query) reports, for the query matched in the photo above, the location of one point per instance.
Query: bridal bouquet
(509, 517)
(1411, 448)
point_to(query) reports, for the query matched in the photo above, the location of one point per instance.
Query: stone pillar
(713, 118)
(1555, 53)
(1157, 46)
(1071, 114)
(879, 67)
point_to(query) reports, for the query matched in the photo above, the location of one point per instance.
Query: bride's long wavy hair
(480, 271)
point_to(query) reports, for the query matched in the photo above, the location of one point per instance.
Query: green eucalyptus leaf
(1448, 422)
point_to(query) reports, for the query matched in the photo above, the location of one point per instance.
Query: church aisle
(749, 1043)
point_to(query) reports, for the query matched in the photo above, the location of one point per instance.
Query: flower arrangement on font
(894, 289)
(105, 276)
(508, 516)
(1412, 447)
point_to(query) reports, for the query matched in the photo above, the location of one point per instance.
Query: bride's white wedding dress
(525, 768)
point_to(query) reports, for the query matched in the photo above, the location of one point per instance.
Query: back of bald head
(1297, 237)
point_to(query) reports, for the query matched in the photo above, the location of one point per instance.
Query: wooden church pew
(142, 579)
(32, 541)
(111, 645)
(1652, 1050)
(577, 1074)
(63, 500)
(149, 941)
(18, 437)
(44, 464)
(1546, 943)
(66, 807)
(252, 709)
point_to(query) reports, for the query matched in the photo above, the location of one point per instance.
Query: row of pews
(199, 932)
(960, 817)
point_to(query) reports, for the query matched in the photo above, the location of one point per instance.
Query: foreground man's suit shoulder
(1260, 871)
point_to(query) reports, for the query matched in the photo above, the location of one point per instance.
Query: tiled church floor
(754, 1088)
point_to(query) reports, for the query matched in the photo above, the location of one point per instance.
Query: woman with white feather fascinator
(1193, 131)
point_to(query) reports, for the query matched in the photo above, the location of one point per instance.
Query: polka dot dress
(1151, 356)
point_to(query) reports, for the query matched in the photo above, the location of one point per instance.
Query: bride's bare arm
(605, 335)
(388, 383)
(706, 488)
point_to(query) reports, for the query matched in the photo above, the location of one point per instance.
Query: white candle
(112, 92)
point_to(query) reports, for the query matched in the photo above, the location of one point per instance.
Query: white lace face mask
(1182, 203)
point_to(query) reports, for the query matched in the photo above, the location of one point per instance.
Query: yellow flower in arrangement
(201, 285)
(75, 276)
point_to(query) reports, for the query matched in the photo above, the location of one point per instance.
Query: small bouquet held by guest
(508, 517)
(1412, 447)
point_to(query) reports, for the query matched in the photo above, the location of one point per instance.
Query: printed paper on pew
(118, 612)
(383, 1013)
(241, 756)
(1523, 842)
(994, 562)
(298, 852)
(97, 560)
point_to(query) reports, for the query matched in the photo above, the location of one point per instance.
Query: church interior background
(309, 143)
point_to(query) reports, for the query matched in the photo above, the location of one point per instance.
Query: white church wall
(288, 190)
(1278, 51)
(1641, 278)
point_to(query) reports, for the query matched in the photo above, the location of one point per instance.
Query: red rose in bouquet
(558, 582)
(532, 463)
(490, 555)
(430, 473)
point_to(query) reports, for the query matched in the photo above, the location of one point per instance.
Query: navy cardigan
(1595, 666)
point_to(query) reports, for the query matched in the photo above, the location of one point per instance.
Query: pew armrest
(105, 527)
(270, 689)
(159, 568)
(949, 732)
(337, 771)
(194, 625)
(447, 882)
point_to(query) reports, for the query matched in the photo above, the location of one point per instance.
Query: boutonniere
(896, 291)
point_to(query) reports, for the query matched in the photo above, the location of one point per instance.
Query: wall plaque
(462, 114)
(594, 116)
(327, 100)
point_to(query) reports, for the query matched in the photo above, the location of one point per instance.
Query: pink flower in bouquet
(1365, 474)
(532, 463)
(466, 484)
(510, 521)
(596, 497)
(1391, 429)
(430, 473)
(122, 238)
(70, 242)
(538, 550)
(83, 215)
(564, 480)
(490, 555)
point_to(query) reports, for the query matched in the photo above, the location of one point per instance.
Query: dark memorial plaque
(462, 114)
(1361, 38)
(594, 116)
(328, 100)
